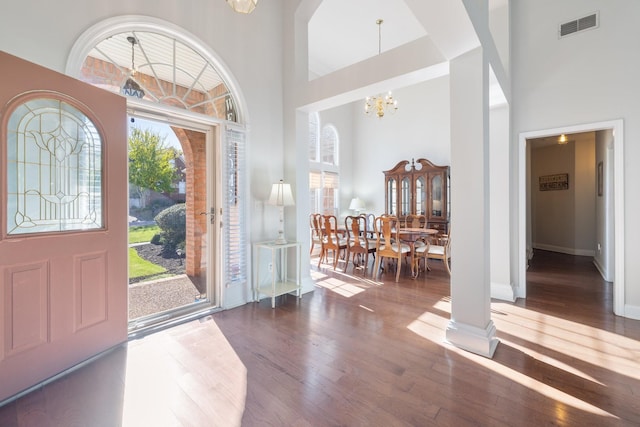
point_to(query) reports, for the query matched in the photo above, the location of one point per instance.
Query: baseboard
(601, 270)
(632, 312)
(503, 291)
(308, 285)
(563, 250)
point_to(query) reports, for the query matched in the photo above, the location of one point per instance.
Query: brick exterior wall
(195, 155)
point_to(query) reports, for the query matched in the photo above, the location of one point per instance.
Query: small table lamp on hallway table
(281, 196)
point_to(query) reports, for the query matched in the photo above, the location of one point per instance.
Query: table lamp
(281, 196)
(357, 205)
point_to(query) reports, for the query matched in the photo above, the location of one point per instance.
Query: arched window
(160, 69)
(324, 176)
(54, 175)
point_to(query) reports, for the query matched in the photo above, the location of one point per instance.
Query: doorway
(170, 229)
(613, 200)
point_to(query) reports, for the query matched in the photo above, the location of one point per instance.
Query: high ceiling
(342, 33)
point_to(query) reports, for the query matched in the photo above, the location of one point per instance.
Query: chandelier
(378, 105)
(242, 6)
(131, 87)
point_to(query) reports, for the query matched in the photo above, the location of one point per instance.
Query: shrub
(156, 239)
(172, 222)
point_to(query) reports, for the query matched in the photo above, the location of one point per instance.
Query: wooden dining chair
(441, 250)
(359, 243)
(389, 244)
(415, 221)
(315, 229)
(332, 241)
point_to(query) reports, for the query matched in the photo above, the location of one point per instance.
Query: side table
(271, 276)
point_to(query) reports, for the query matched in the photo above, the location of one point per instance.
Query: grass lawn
(140, 267)
(142, 233)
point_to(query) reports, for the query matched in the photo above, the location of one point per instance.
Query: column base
(472, 339)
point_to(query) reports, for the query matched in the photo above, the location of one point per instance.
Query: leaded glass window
(54, 169)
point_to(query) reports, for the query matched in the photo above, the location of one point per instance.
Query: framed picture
(559, 181)
(600, 179)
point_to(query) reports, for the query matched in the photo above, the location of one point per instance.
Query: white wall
(501, 281)
(604, 254)
(553, 212)
(419, 129)
(585, 78)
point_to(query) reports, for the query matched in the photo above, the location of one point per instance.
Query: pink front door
(63, 223)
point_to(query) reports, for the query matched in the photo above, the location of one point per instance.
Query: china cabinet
(418, 188)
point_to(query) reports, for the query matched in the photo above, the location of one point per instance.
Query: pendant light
(131, 87)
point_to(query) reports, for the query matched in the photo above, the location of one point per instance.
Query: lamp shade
(357, 204)
(281, 194)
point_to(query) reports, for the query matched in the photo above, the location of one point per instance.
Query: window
(234, 223)
(324, 177)
(54, 173)
(314, 137)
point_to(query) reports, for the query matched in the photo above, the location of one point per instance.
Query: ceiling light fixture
(242, 6)
(131, 87)
(379, 104)
(563, 139)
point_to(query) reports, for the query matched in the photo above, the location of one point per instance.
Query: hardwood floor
(363, 352)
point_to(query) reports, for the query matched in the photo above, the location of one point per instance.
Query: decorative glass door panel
(436, 196)
(54, 170)
(421, 196)
(392, 196)
(405, 197)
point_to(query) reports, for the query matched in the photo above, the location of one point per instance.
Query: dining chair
(315, 229)
(389, 244)
(359, 243)
(331, 239)
(415, 221)
(441, 251)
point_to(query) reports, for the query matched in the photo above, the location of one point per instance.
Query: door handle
(212, 215)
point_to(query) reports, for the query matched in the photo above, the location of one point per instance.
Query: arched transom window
(159, 69)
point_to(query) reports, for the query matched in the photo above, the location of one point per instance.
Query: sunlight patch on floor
(597, 347)
(339, 286)
(158, 388)
(548, 391)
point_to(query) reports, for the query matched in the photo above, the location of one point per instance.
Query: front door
(63, 192)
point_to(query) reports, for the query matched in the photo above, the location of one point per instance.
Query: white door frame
(618, 196)
(211, 127)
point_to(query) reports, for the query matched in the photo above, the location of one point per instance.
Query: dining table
(410, 235)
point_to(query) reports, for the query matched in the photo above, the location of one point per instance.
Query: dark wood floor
(363, 352)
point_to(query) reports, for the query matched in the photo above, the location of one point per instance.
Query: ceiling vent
(581, 24)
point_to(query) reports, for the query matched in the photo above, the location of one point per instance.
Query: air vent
(581, 24)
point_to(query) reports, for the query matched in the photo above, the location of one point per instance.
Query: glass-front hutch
(418, 188)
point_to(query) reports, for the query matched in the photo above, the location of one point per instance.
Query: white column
(500, 212)
(470, 327)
